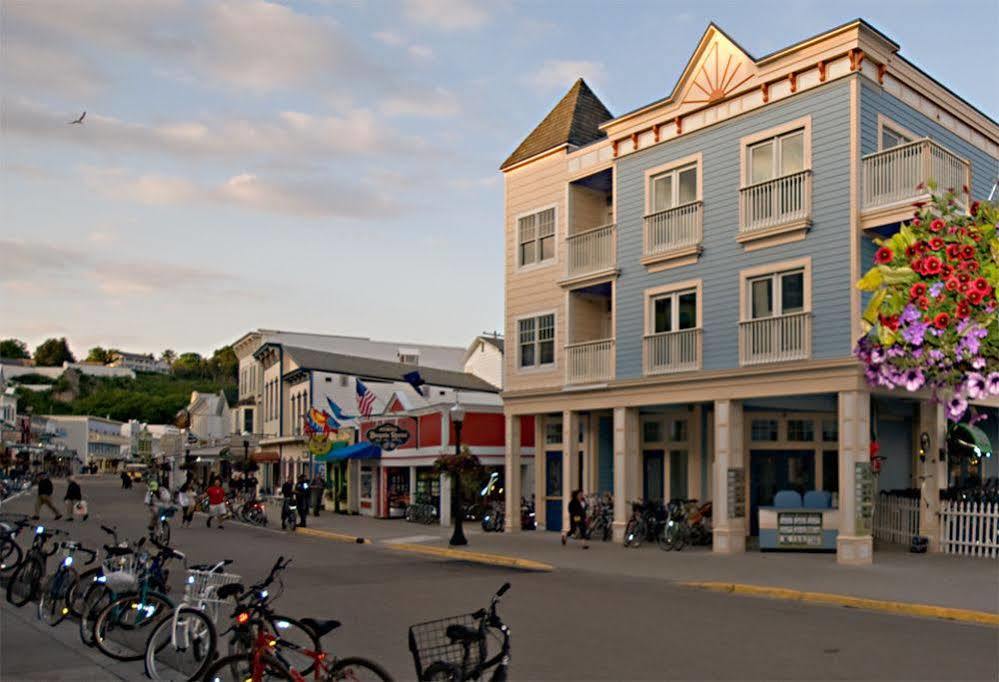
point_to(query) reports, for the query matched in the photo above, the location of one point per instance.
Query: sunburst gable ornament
(717, 76)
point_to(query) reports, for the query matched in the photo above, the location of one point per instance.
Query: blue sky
(329, 166)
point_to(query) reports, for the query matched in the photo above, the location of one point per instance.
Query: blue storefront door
(553, 491)
(652, 481)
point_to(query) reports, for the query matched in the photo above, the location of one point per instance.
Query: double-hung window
(776, 328)
(676, 187)
(892, 138)
(777, 156)
(536, 340)
(777, 186)
(674, 311)
(777, 294)
(536, 237)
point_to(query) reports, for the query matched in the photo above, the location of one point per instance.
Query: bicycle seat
(230, 590)
(320, 627)
(462, 634)
(117, 551)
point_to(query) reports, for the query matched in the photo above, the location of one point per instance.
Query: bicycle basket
(203, 586)
(429, 644)
(120, 572)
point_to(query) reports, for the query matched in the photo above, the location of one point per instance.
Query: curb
(901, 608)
(474, 557)
(339, 537)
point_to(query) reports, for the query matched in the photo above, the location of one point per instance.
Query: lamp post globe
(458, 536)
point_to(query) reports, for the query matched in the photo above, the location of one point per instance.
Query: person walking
(125, 480)
(577, 518)
(44, 496)
(73, 496)
(186, 497)
(216, 503)
(250, 486)
(287, 496)
(302, 499)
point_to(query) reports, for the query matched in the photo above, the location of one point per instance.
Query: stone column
(854, 545)
(729, 529)
(445, 501)
(570, 462)
(931, 467)
(412, 485)
(625, 476)
(539, 471)
(512, 473)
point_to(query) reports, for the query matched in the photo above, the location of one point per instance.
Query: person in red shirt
(216, 502)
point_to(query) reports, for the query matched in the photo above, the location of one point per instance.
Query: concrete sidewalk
(895, 575)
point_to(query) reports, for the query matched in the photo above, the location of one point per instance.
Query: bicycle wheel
(181, 647)
(74, 599)
(239, 668)
(348, 669)
(95, 599)
(10, 556)
(292, 638)
(161, 533)
(124, 625)
(53, 600)
(442, 671)
(25, 581)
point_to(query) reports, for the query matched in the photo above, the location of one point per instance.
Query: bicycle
(116, 575)
(56, 598)
(601, 518)
(11, 553)
(26, 579)
(185, 644)
(456, 649)
(120, 629)
(160, 531)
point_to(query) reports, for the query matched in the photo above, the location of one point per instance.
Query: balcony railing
(590, 251)
(901, 173)
(775, 339)
(674, 229)
(670, 352)
(777, 202)
(589, 362)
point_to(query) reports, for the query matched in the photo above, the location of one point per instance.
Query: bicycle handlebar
(168, 551)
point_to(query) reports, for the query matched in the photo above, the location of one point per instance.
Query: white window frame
(886, 123)
(674, 173)
(776, 157)
(538, 365)
(803, 125)
(537, 262)
(694, 286)
(774, 271)
(776, 292)
(674, 321)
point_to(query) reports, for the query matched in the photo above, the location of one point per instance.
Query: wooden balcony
(673, 237)
(590, 255)
(895, 178)
(775, 339)
(670, 352)
(589, 362)
(775, 210)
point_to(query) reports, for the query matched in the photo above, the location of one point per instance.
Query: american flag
(365, 399)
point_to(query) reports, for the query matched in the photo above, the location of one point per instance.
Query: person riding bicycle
(302, 499)
(158, 498)
(287, 496)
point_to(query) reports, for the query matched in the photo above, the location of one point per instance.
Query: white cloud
(390, 38)
(421, 51)
(436, 103)
(560, 74)
(447, 15)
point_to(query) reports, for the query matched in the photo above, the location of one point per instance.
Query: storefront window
(553, 432)
(764, 430)
(678, 431)
(830, 471)
(802, 430)
(830, 430)
(651, 432)
(366, 483)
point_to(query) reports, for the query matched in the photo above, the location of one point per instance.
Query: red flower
(936, 225)
(923, 303)
(884, 255)
(941, 320)
(946, 270)
(932, 265)
(968, 251)
(891, 322)
(974, 206)
(962, 278)
(962, 311)
(936, 243)
(972, 265)
(975, 297)
(916, 290)
(916, 222)
(981, 285)
(965, 286)
(953, 251)
(952, 284)
(910, 251)
(921, 246)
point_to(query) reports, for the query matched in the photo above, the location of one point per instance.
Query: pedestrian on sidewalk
(44, 496)
(577, 518)
(302, 499)
(73, 496)
(317, 494)
(186, 497)
(126, 480)
(216, 503)
(287, 495)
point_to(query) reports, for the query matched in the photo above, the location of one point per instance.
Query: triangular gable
(395, 405)
(718, 67)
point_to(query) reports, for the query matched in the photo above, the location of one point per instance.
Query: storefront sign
(736, 493)
(388, 436)
(799, 530)
(864, 496)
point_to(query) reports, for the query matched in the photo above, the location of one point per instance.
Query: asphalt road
(566, 625)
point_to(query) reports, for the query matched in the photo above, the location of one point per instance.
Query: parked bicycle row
(119, 597)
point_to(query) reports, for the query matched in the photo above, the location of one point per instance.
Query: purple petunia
(915, 332)
(914, 379)
(956, 407)
(992, 383)
(978, 363)
(909, 314)
(975, 386)
(936, 288)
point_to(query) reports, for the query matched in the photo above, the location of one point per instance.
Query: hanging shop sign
(388, 436)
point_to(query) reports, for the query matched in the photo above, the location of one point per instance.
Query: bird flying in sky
(78, 121)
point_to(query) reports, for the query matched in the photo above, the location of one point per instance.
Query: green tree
(224, 365)
(98, 354)
(53, 352)
(14, 349)
(190, 366)
(168, 356)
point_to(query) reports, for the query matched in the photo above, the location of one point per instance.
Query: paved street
(567, 625)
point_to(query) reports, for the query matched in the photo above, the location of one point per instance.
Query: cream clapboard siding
(486, 362)
(535, 290)
(589, 209)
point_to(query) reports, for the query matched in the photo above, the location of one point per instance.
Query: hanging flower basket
(932, 317)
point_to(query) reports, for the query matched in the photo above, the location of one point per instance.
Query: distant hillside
(153, 398)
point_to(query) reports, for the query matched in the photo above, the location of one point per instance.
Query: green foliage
(53, 352)
(98, 354)
(14, 349)
(34, 379)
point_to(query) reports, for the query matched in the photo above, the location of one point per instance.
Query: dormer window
(409, 356)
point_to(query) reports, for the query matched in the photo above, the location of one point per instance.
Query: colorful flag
(414, 379)
(337, 412)
(365, 399)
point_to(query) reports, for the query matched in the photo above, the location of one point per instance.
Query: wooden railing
(589, 361)
(896, 518)
(775, 339)
(674, 229)
(590, 251)
(669, 352)
(783, 200)
(902, 173)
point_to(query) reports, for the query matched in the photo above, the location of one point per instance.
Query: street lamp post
(458, 536)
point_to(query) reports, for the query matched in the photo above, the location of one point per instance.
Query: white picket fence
(896, 519)
(970, 528)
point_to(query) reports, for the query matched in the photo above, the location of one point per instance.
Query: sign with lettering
(736, 493)
(799, 530)
(864, 496)
(387, 436)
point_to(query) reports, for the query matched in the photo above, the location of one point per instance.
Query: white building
(139, 362)
(209, 416)
(96, 440)
(484, 359)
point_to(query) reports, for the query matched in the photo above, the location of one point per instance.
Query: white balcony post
(932, 469)
(776, 202)
(625, 477)
(540, 475)
(570, 462)
(590, 251)
(775, 339)
(854, 545)
(729, 479)
(512, 473)
(669, 352)
(589, 361)
(674, 229)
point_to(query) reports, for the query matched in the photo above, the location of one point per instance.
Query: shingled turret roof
(574, 120)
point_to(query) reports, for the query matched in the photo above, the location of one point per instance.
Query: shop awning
(360, 451)
(265, 457)
(973, 439)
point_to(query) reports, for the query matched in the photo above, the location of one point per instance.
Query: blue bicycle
(55, 600)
